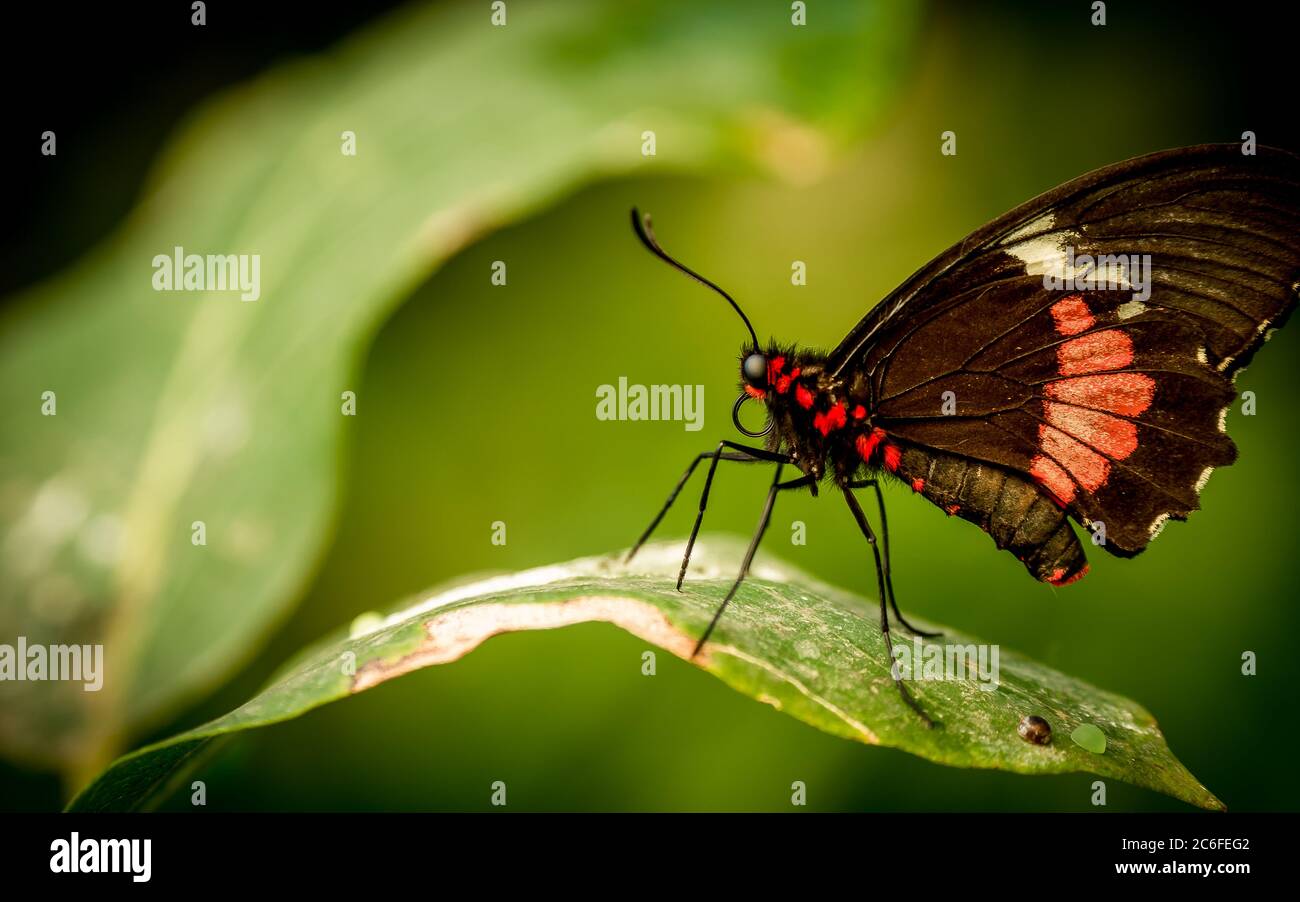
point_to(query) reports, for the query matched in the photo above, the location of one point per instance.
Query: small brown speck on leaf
(1035, 730)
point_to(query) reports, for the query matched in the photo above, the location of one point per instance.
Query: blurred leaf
(808, 649)
(180, 407)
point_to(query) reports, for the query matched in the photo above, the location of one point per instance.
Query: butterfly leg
(737, 456)
(884, 610)
(756, 453)
(777, 486)
(889, 579)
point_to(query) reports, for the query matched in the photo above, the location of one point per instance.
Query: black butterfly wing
(1112, 405)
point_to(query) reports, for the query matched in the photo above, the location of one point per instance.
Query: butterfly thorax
(822, 421)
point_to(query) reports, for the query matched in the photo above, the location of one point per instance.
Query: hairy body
(824, 424)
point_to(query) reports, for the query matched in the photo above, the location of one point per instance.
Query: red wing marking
(1088, 468)
(1127, 394)
(1080, 433)
(1113, 437)
(1051, 477)
(1072, 315)
(1095, 352)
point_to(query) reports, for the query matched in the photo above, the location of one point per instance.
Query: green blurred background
(565, 717)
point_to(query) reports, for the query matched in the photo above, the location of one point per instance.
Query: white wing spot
(1203, 479)
(1157, 525)
(1129, 309)
(1043, 223)
(1043, 255)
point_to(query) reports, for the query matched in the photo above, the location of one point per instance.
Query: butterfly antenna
(641, 225)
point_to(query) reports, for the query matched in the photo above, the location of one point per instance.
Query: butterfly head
(793, 386)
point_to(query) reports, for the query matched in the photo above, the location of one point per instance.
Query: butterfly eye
(755, 370)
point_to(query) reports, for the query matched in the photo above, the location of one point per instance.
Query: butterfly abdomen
(1012, 510)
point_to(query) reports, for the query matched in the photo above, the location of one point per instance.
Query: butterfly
(1072, 360)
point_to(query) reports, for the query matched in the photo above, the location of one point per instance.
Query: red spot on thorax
(863, 444)
(892, 457)
(859, 412)
(774, 367)
(755, 392)
(866, 444)
(831, 419)
(783, 382)
(1072, 315)
(803, 396)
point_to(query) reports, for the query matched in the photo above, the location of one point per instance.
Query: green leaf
(179, 407)
(810, 650)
